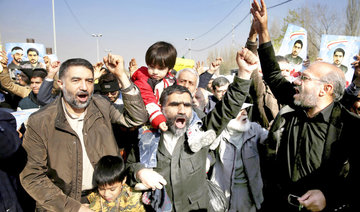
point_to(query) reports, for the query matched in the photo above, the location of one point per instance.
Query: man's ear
(327, 89)
(60, 83)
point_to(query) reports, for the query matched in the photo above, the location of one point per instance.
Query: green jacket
(184, 170)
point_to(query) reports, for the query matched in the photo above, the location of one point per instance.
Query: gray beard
(306, 100)
(72, 101)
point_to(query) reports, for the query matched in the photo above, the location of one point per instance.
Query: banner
(294, 47)
(182, 63)
(25, 46)
(22, 116)
(340, 51)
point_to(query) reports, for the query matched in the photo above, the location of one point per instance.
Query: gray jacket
(224, 168)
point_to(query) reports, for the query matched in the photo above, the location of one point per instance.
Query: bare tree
(352, 18)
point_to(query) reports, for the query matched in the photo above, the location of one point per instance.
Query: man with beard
(237, 167)
(310, 157)
(180, 170)
(66, 139)
(338, 57)
(16, 54)
(33, 57)
(294, 57)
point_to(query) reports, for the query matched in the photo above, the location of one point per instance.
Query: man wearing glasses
(312, 142)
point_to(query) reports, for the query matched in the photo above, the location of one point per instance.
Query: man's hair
(339, 50)
(336, 78)
(161, 54)
(280, 59)
(32, 50)
(191, 71)
(218, 82)
(74, 62)
(16, 48)
(109, 170)
(39, 73)
(299, 42)
(24, 78)
(175, 88)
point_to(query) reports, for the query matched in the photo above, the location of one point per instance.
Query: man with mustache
(309, 160)
(338, 57)
(180, 170)
(33, 57)
(65, 139)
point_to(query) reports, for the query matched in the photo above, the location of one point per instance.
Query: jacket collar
(92, 114)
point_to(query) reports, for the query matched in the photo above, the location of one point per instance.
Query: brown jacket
(11, 86)
(53, 173)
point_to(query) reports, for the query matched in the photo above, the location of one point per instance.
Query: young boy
(152, 80)
(113, 194)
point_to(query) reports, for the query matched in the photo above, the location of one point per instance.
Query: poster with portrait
(340, 51)
(25, 46)
(294, 48)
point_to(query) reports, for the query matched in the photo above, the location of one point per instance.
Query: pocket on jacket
(191, 164)
(197, 200)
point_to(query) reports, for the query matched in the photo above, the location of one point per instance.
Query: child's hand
(163, 127)
(132, 66)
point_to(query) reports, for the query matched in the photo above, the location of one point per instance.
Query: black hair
(32, 50)
(218, 82)
(339, 50)
(161, 54)
(109, 170)
(299, 42)
(74, 62)
(39, 72)
(280, 59)
(175, 88)
(16, 48)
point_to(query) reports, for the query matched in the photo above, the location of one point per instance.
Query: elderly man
(312, 141)
(66, 139)
(237, 166)
(180, 170)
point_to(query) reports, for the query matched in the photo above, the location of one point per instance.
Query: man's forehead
(78, 70)
(179, 97)
(187, 75)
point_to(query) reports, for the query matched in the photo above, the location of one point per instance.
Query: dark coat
(341, 147)
(184, 171)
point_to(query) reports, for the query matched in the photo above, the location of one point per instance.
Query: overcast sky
(130, 27)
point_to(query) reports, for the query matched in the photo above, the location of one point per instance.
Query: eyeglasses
(306, 78)
(293, 200)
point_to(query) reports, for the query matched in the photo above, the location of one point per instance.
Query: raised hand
(132, 66)
(98, 70)
(52, 69)
(199, 67)
(260, 24)
(115, 64)
(215, 66)
(4, 59)
(47, 62)
(247, 62)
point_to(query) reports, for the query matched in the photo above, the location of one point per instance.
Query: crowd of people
(108, 138)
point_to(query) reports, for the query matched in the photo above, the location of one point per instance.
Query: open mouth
(83, 97)
(180, 122)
